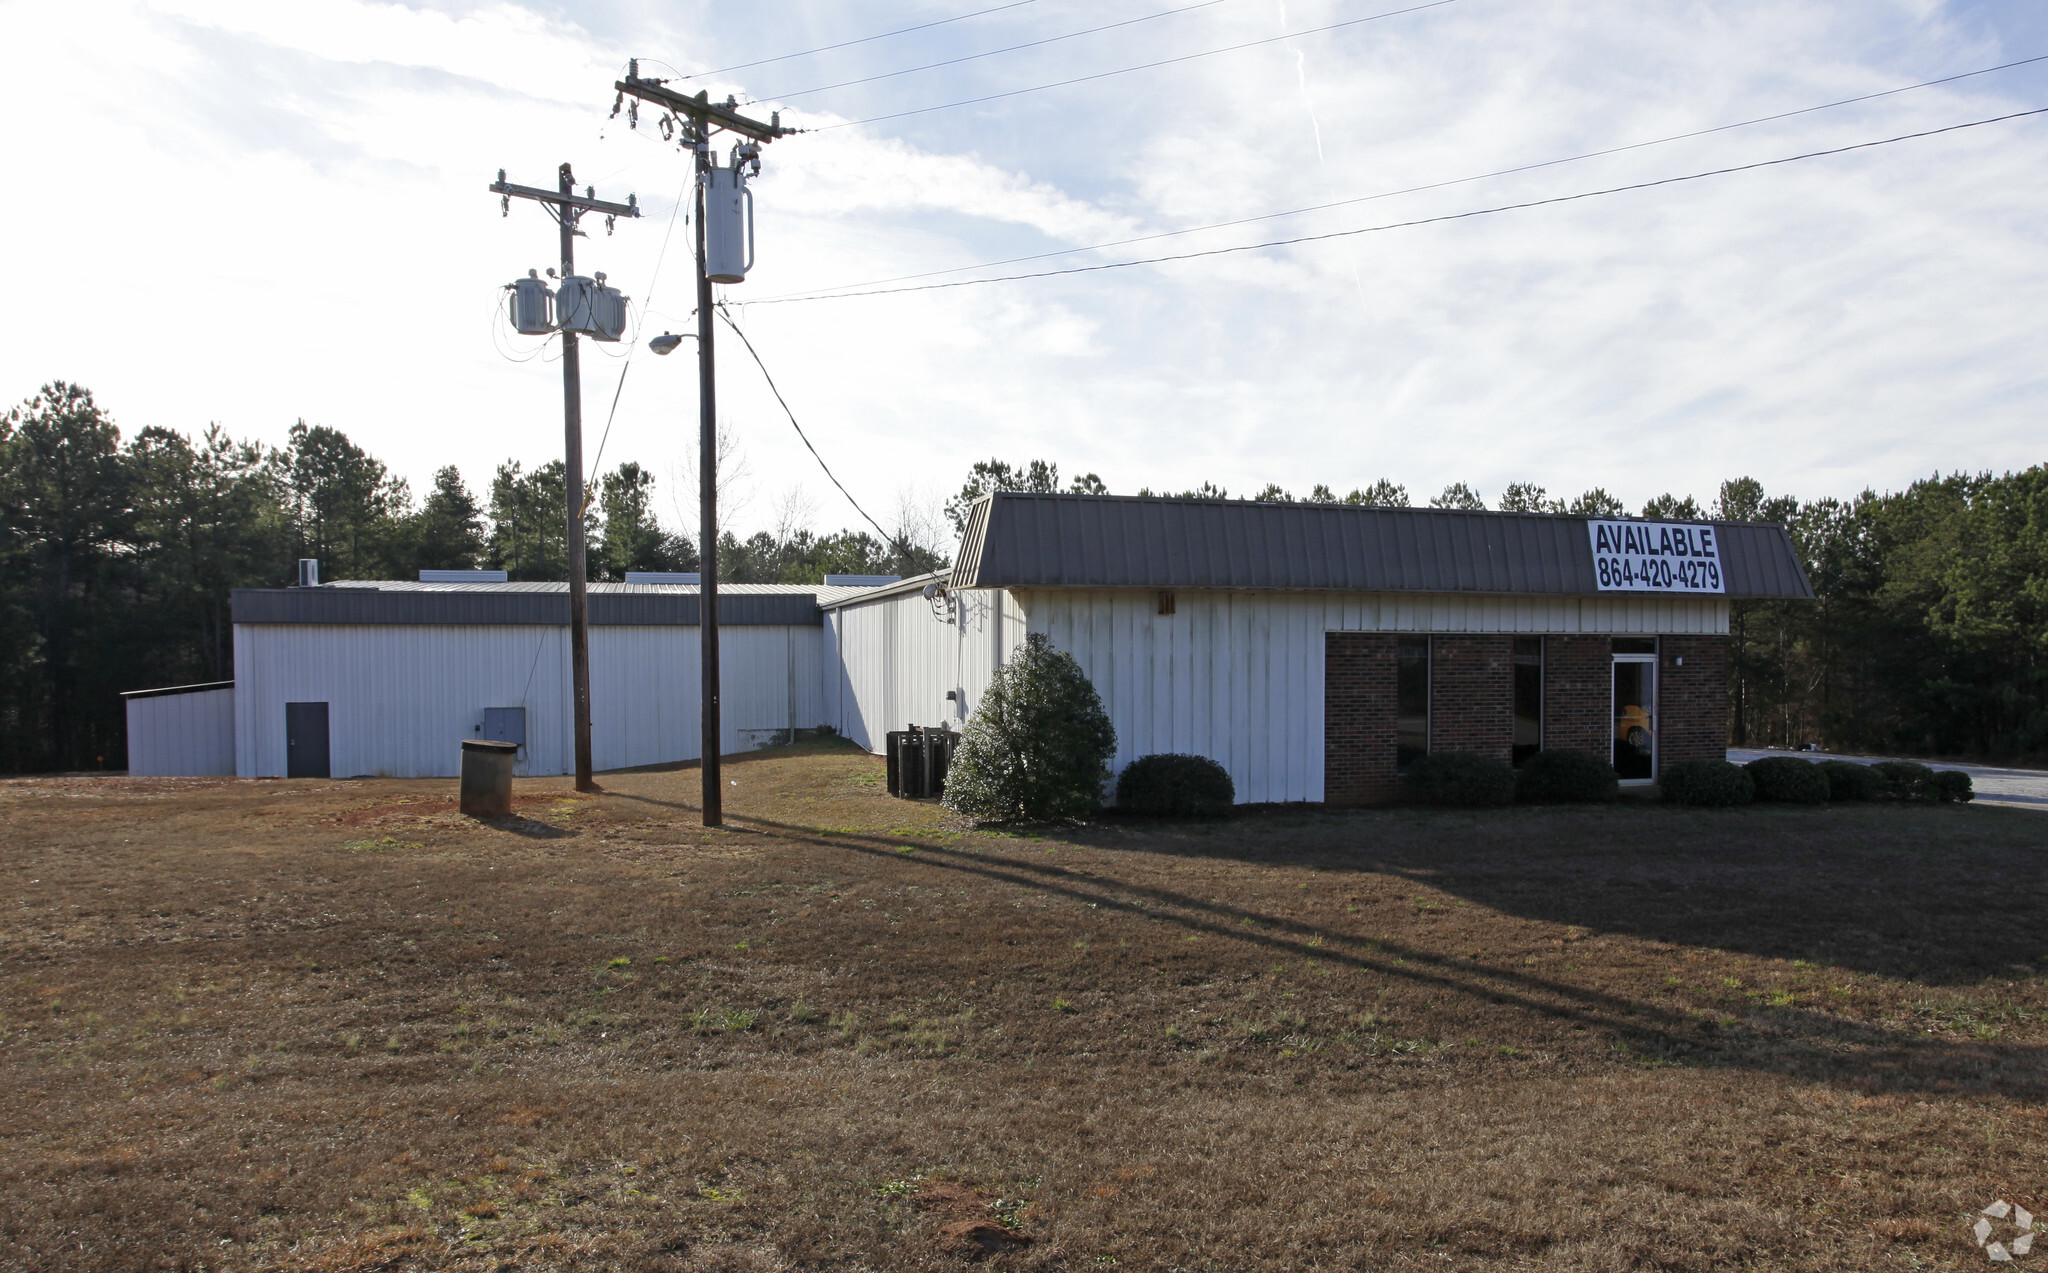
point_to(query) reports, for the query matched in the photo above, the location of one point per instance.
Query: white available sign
(1655, 557)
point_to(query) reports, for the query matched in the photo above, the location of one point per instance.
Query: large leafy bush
(1848, 780)
(1560, 775)
(1039, 745)
(1460, 778)
(1906, 780)
(1707, 782)
(1789, 779)
(1171, 785)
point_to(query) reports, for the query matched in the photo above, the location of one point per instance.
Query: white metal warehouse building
(1307, 648)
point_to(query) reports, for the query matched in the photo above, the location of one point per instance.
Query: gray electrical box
(504, 725)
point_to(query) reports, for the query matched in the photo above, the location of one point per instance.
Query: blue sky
(260, 212)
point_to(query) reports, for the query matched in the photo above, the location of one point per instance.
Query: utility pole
(567, 209)
(697, 118)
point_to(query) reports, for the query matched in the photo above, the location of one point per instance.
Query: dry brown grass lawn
(335, 1026)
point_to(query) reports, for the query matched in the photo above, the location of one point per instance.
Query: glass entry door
(1635, 717)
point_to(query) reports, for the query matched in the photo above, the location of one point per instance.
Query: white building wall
(402, 698)
(1238, 676)
(889, 663)
(182, 735)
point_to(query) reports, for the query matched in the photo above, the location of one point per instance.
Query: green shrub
(1170, 785)
(1788, 779)
(1954, 784)
(1848, 780)
(1039, 745)
(1460, 778)
(1906, 780)
(1707, 782)
(1561, 776)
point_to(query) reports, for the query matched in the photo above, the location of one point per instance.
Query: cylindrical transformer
(608, 307)
(532, 306)
(728, 226)
(575, 305)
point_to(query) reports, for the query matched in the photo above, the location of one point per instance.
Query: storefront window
(1528, 698)
(1411, 701)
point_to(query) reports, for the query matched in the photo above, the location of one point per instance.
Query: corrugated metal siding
(401, 699)
(1099, 541)
(889, 663)
(480, 604)
(182, 735)
(1238, 676)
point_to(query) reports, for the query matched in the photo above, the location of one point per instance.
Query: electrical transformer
(574, 311)
(532, 305)
(728, 226)
(608, 311)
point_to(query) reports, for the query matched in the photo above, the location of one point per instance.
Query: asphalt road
(2026, 788)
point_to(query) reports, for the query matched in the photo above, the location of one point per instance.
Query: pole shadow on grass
(1792, 1040)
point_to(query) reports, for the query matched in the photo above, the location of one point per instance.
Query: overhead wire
(847, 44)
(1418, 221)
(1126, 70)
(975, 57)
(893, 540)
(1433, 185)
(597, 461)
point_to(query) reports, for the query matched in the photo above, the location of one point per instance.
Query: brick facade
(1692, 700)
(1472, 702)
(1472, 695)
(1578, 694)
(1358, 717)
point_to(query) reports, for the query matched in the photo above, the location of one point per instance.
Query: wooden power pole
(567, 208)
(699, 117)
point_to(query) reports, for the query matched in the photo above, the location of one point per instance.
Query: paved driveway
(2026, 788)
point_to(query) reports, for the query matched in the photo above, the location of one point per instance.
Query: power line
(1434, 185)
(866, 39)
(598, 462)
(887, 538)
(973, 57)
(1402, 225)
(1126, 70)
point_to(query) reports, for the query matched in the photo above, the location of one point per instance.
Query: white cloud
(261, 212)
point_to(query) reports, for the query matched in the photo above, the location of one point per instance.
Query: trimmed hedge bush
(1707, 782)
(1848, 780)
(1906, 780)
(1954, 784)
(1039, 745)
(1172, 785)
(1460, 778)
(1788, 779)
(1564, 776)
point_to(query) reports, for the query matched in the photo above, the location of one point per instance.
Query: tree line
(1928, 635)
(118, 557)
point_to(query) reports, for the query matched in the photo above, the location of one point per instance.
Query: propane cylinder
(575, 308)
(532, 305)
(728, 226)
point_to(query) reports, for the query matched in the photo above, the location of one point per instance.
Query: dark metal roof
(611, 605)
(1016, 540)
